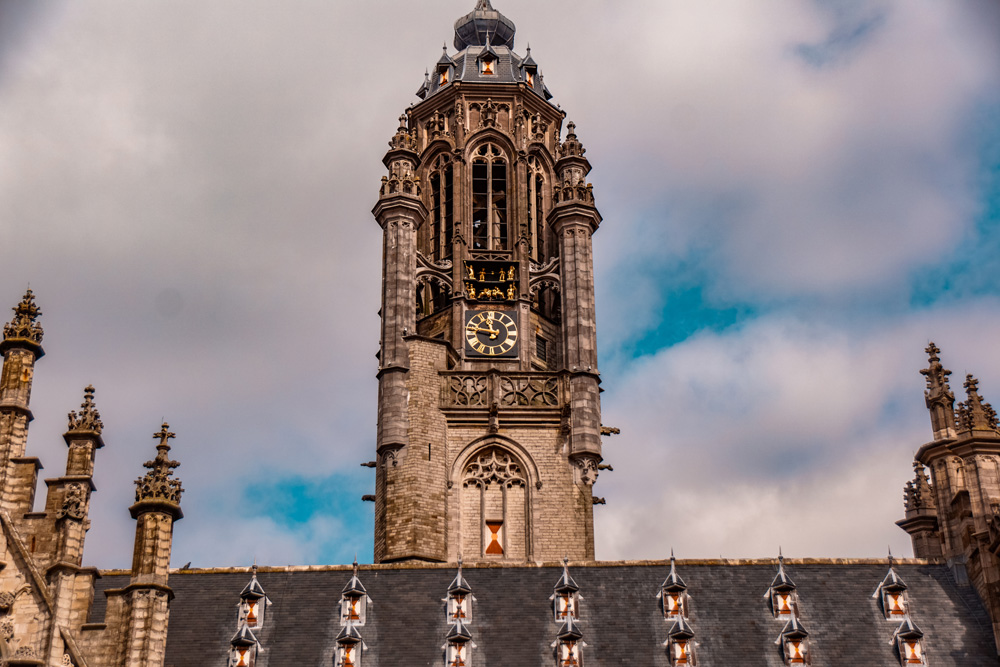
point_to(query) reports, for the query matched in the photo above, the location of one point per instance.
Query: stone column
(399, 212)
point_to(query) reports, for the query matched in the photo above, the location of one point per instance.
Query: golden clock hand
(492, 332)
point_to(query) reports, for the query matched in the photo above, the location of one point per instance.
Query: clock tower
(489, 427)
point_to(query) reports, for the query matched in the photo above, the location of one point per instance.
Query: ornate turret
(940, 401)
(921, 520)
(24, 329)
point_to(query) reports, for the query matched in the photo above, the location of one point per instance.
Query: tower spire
(24, 327)
(938, 396)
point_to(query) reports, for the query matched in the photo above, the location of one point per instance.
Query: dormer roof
(349, 635)
(782, 582)
(570, 630)
(244, 637)
(253, 590)
(459, 586)
(680, 629)
(794, 629)
(566, 583)
(354, 587)
(459, 633)
(673, 583)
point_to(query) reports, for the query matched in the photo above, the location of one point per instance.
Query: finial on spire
(88, 419)
(917, 496)
(157, 484)
(24, 326)
(938, 396)
(572, 145)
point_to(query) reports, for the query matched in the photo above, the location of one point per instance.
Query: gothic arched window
(494, 506)
(536, 210)
(442, 213)
(489, 199)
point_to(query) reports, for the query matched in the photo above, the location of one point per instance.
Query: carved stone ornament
(975, 413)
(74, 504)
(6, 601)
(24, 652)
(494, 466)
(89, 419)
(23, 325)
(586, 468)
(571, 146)
(157, 484)
(403, 139)
(7, 629)
(67, 660)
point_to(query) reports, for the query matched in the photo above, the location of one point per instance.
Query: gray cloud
(187, 187)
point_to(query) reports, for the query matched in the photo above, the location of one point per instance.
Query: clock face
(490, 333)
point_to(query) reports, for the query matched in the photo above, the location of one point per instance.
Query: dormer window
(486, 66)
(442, 77)
(565, 597)
(680, 644)
(529, 77)
(243, 648)
(459, 647)
(794, 642)
(891, 595)
(353, 601)
(459, 600)
(781, 594)
(569, 644)
(253, 603)
(349, 647)
(673, 593)
(909, 643)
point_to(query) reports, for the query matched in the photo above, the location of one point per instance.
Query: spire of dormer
(938, 397)
(975, 414)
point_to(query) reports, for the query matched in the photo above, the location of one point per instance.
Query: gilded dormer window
(794, 642)
(673, 594)
(566, 597)
(487, 66)
(353, 602)
(909, 643)
(781, 594)
(253, 603)
(243, 648)
(891, 595)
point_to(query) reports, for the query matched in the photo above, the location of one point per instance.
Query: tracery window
(494, 506)
(442, 213)
(536, 210)
(489, 199)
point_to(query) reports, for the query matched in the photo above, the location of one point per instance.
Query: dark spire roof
(794, 630)
(354, 587)
(782, 582)
(908, 630)
(349, 635)
(473, 28)
(459, 586)
(570, 630)
(680, 629)
(892, 581)
(566, 583)
(488, 51)
(528, 60)
(243, 637)
(459, 634)
(673, 582)
(445, 59)
(253, 590)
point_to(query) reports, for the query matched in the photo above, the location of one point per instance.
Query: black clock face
(490, 333)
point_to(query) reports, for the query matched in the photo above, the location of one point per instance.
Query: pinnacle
(157, 484)
(23, 325)
(88, 419)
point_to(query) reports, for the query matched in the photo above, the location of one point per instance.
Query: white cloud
(782, 430)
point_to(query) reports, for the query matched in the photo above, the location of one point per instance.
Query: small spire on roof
(570, 630)
(459, 586)
(566, 583)
(673, 582)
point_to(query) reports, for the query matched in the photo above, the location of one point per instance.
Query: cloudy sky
(797, 196)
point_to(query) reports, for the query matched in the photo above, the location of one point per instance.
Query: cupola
(482, 23)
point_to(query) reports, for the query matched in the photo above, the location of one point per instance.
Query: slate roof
(620, 616)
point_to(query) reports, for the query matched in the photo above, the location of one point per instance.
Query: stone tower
(489, 427)
(955, 513)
